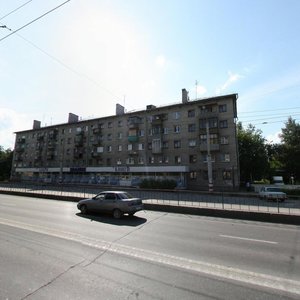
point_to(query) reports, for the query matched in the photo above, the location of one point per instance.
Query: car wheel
(117, 214)
(83, 209)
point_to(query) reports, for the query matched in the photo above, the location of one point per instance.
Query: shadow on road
(124, 221)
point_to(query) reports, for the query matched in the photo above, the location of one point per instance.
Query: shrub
(158, 184)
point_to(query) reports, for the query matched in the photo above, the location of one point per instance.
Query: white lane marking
(226, 272)
(247, 239)
(8, 204)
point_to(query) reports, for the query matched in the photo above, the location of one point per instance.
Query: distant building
(158, 142)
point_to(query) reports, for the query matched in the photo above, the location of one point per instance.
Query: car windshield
(273, 190)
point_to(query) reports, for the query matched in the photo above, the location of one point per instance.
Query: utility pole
(209, 164)
(196, 83)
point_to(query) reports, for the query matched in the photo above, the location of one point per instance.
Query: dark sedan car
(114, 202)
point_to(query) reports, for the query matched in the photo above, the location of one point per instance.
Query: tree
(290, 137)
(5, 163)
(253, 156)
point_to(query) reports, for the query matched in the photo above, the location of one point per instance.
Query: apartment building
(178, 141)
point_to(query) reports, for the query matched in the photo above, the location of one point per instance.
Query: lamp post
(209, 164)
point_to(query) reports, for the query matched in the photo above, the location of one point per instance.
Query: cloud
(232, 78)
(274, 138)
(10, 122)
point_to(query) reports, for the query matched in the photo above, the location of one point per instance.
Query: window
(156, 130)
(129, 147)
(119, 162)
(192, 159)
(177, 144)
(212, 123)
(191, 113)
(156, 145)
(176, 128)
(225, 157)
(109, 148)
(141, 132)
(193, 175)
(177, 159)
(141, 146)
(222, 108)
(120, 135)
(192, 143)
(165, 159)
(109, 137)
(165, 145)
(119, 148)
(223, 124)
(176, 115)
(100, 149)
(224, 140)
(212, 157)
(226, 174)
(206, 109)
(192, 128)
(150, 146)
(109, 124)
(165, 130)
(140, 160)
(130, 160)
(151, 160)
(120, 123)
(213, 138)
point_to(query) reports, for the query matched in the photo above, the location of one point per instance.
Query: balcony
(133, 122)
(97, 130)
(213, 147)
(133, 138)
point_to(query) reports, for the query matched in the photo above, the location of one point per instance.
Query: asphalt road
(48, 250)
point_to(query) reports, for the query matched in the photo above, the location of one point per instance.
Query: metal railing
(218, 200)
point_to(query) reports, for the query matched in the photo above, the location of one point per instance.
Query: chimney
(36, 124)
(72, 118)
(120, 110)
(185, 96)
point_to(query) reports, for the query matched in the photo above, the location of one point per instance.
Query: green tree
(5, 163)
(290, 136)
(253, 156)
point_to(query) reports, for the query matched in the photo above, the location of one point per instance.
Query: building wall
(164, 142)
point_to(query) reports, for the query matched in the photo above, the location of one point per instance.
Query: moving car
(272, 193)
(115, 202)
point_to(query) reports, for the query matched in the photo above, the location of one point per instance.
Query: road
(48, 250)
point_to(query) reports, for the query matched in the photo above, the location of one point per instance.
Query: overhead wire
(36, 19)
(50, 55)
(15, 10)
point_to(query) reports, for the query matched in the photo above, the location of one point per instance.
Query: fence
(218, 200)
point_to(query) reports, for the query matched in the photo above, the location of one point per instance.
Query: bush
(168, 184)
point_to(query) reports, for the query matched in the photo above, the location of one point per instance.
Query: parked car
(115, 202)
(272, 193)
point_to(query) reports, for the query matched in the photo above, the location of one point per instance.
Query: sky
(85, 56)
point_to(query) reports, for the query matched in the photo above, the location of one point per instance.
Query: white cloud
(10, 122)
(232, 78)
(274, 138)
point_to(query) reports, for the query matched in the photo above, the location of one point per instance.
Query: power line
(267, 110)
(61, 62)
(48, 12)
(15, 10)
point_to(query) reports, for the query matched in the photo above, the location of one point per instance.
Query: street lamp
(209, 164)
